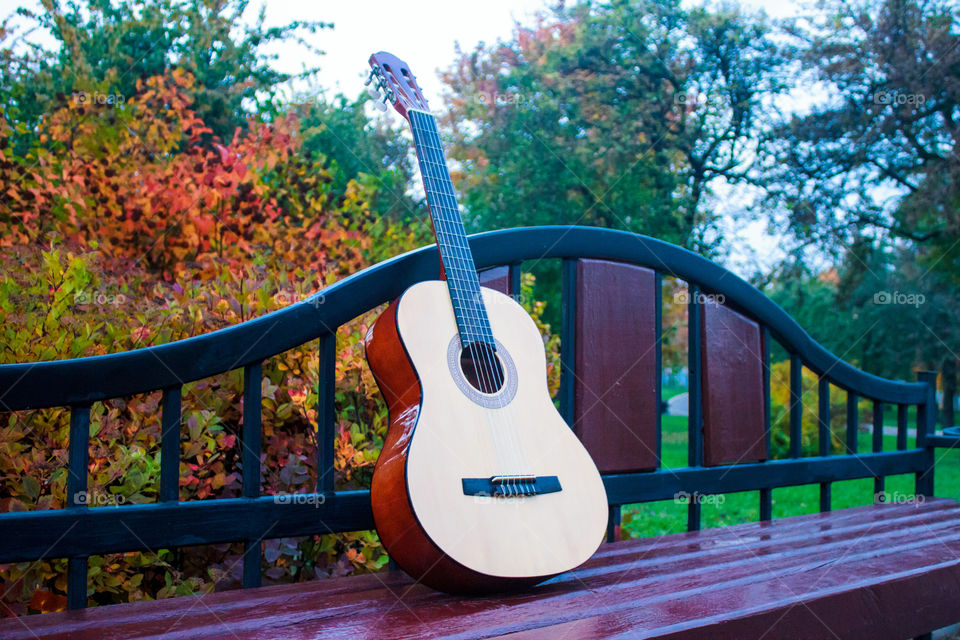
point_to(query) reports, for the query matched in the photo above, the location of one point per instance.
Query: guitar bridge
(511, 486)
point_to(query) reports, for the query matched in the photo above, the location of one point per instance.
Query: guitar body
(443, 430)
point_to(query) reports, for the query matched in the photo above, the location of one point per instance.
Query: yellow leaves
(183, 78)
(218, 481)
(298, 396)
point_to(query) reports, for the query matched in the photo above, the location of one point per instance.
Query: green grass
(668, 516)
(668, 392)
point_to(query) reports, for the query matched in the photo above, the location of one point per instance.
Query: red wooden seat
(885, 571)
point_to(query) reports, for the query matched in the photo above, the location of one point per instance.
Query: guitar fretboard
(458, 266)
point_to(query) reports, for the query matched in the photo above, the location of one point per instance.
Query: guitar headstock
(392, 81)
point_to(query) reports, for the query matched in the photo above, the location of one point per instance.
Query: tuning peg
(373, 74)
(380, 105)
(374, 92)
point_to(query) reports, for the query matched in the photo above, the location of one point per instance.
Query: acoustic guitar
(481, 486)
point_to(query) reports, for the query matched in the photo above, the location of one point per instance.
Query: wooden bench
(879, 571)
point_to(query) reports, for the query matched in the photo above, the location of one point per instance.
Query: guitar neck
(459, 268)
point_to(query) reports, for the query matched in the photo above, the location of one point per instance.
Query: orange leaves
(47, 601)
(149, 165)
(226, 159)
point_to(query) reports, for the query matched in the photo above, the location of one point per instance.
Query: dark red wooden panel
(879, 571)
(732, 376)
(615, 412)
(497, 278)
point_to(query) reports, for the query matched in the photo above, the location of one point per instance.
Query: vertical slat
(326, 412)
(766, 494)
(902, 411)
(77, 466)
(613, 523)
(250, 456)
(823, 434)
(499, 279)
(170, 421)
(658, 337)
(796, 408)
(251, 564)
(731, 373)
(252, 409)
(879, 483)
(766, 504)
(515, 281)
(695, 410)
(927, 412)
(853, 421)
(568, 351)
(615, 388)
(926, 425)
(78, 460)
(878, 408)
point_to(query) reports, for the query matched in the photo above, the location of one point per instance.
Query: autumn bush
(809, 434)
(130, 225)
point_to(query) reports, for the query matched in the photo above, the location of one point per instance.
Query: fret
(475, 336)
(461, 307)
(462, 262)
(464, 270)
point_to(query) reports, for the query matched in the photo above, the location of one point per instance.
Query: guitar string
(506, 411)
(499, 451)
(473, 313)
(485, 373)
(489, 368)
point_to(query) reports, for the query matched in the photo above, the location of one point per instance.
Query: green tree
(360, 149)
(870, 175)
(620, 115)
(891, 71)
(106, 46)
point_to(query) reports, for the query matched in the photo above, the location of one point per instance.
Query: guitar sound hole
(481, 367)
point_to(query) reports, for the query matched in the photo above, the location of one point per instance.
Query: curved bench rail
(84, 380)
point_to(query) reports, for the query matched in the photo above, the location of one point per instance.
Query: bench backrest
(610, 394)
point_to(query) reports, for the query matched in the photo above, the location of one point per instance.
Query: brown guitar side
(397, 525)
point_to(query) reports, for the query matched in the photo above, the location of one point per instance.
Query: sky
(425, 34)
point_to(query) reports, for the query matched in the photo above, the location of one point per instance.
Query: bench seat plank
(879, 571)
